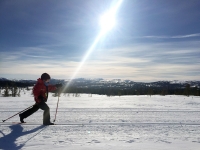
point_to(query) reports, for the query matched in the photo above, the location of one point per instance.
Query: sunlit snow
(101, 122)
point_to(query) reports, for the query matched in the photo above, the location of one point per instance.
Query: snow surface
(101, 122)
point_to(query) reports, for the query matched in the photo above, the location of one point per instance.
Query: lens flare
(107, 22)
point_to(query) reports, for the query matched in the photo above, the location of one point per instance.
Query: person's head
(45, 77)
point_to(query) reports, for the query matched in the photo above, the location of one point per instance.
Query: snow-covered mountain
(4, 79)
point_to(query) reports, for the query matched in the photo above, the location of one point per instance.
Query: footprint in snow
(130, 141)
(94, 141)
(46, 137)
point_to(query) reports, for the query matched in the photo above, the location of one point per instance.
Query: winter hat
(45, 76)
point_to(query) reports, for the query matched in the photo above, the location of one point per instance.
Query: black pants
(43, 106)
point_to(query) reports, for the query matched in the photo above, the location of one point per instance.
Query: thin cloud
(36, 56)
(186, 36)
(145, 62)
(26, 53)
(173, 37)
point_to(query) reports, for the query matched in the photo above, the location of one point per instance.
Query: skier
(40, 92)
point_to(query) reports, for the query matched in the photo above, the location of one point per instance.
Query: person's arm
(51, 88)
(54, 87)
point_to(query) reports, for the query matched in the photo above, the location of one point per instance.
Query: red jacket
(40, 91)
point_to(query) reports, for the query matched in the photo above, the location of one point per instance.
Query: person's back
(40, 90)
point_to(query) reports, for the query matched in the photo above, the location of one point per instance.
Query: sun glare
(107, 21)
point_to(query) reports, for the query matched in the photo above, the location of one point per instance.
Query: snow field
(101, 122)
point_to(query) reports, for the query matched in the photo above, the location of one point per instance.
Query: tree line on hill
(13, 91)
(114, 91)
(12, 88)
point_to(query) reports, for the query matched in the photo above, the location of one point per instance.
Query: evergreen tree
(18, 94)
(187, 90)
(119, 93)
(14, 91)
(150, 92)
(27, 88)
(198, 92)
(6, 92)
(164, 92)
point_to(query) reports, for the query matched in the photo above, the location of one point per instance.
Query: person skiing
(40, 92)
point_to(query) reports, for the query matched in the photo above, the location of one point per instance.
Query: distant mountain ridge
(115, 86)
(82, 82)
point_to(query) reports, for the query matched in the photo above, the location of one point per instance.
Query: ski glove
(58, 85)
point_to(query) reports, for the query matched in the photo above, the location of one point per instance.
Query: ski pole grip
(3, 120)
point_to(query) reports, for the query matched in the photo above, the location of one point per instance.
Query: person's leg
(28, 112)
(46, 114)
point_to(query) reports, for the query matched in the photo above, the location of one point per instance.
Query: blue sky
(152, 40)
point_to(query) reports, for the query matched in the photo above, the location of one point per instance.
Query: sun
(107, 21)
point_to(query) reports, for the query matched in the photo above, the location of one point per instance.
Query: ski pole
(17, 113)
(56, 109)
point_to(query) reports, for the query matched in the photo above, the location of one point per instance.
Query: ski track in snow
(100, 122)
(84, 136)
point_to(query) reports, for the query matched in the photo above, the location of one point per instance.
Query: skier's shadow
(7, 142)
